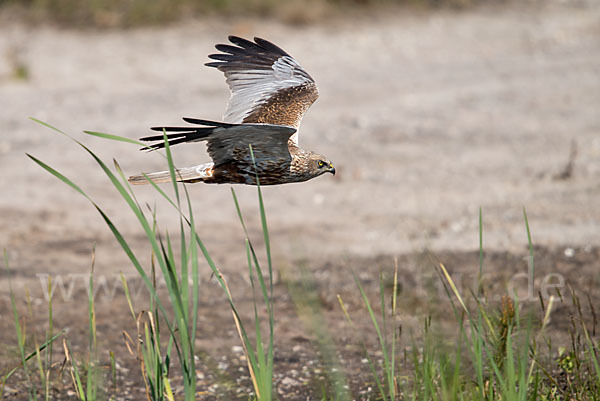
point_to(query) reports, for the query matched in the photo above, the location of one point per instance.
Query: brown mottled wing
(230, 142)
(267, 85)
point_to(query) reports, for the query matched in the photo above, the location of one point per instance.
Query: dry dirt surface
(426, 116)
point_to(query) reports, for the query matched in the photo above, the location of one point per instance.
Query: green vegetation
(128, 13)
(182, 322)
(500, 351)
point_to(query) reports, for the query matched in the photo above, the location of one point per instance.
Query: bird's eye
(320, 163)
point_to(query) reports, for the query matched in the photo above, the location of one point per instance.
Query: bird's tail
(186, 174)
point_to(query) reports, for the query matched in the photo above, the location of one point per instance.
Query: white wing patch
(252, 88)
(267, 85)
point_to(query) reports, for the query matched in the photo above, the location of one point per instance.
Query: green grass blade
(193, 250)
(48, 126)
(184, 275)
(127, 295)
(49, 336)
(57, 175)
(171, 168)
(382, 344)
(91, 368)
(113, 137)
(33, 354)
(365, 350)
(480, 252)
(263, 220)
(530, 243)
(40, 366)
(20, 334)
(75, 376)
(388, 368)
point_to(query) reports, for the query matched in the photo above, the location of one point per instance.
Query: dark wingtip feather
(229, 49)
(208, 123)
(244, 43)
(173, 129)
(260, 54)
(172, 142)
(222, 57)
(183, 134)
(259, 45)
(169, 136)
(265, 44)
(149, 148)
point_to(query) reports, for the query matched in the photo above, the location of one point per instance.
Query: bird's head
(319, 164)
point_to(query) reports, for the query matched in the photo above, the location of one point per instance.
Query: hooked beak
(332, 169)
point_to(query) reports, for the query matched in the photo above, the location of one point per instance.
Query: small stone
(289, 382)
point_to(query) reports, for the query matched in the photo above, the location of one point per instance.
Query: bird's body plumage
(270, 93)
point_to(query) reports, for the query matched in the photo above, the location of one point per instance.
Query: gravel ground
(426, 116)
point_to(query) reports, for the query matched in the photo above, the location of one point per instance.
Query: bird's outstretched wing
(229, 142)
(267, 85)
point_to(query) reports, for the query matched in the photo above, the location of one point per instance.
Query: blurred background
(429, 109)
(132, 13)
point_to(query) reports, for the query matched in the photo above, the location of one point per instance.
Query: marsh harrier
(270, 92)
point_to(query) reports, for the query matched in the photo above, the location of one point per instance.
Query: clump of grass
(44, 366)
(182, 324)
(388, 385)
(86, 372)
(496, 356)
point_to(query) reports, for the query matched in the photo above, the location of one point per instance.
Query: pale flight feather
(259, 74)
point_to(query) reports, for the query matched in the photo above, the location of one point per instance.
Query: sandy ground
(427, 117)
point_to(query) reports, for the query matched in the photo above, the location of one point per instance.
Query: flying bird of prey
(270, 93)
